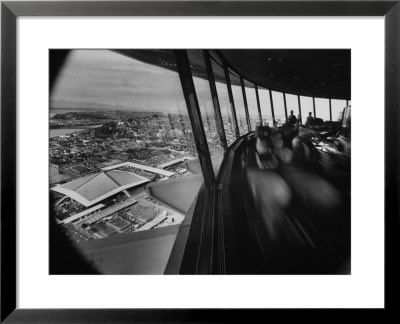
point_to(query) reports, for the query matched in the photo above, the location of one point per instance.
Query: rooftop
(94, 188)
(141, 167)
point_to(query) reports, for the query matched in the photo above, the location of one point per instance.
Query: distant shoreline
(55, 111)
(54, 132)
(58, 126)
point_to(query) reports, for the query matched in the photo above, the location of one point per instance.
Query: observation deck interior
(240, 219)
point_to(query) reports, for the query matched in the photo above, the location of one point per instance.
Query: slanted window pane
(306, 108)
(239, 103)
(252, 105)
(207, 109)
(224, 103)
(337, 109)
(293, 104)
(265, 104)
(279, 107)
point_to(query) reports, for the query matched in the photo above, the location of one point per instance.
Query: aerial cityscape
(147, 146)
(151, 145)
(112, 136)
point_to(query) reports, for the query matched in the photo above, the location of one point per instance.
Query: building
(118, 223)
(94, 188)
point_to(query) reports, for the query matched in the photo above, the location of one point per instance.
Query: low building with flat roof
(141, 167)
(95, 188)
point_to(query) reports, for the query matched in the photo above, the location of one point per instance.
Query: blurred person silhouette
(319, 204)
(291, 119)
(295, 210)
(270, 197)
(310, 119)
(282, 153)
(263, 149)
(303, 150)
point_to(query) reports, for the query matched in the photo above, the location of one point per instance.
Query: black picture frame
(11, 10)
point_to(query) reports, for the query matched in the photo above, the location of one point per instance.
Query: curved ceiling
(318, 73)
(323, 73)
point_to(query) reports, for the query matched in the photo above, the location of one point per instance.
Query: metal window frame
(192, 104)
(301, 116)
(258, 104)
(271, 100)
(314, 110)
(246, 107)
(217, 60)
(214, 95)
(231, 100)
(285, 105)
(252, 127)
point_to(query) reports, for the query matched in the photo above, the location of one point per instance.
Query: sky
(107, 80)
(104, 78)
(111, 79)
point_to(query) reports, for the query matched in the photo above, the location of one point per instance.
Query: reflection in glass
(239, 104)
(346, 123)
(279, 107)
(322, 108)
(207, 110)
(252, 105)
(337, 109)
(306, 108)
(265, 104)
(224, 103)
(293, 104)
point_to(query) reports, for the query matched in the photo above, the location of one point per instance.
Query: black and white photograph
(200, 161)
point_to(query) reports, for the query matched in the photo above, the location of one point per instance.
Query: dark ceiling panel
(318, 73)
(315, 73)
